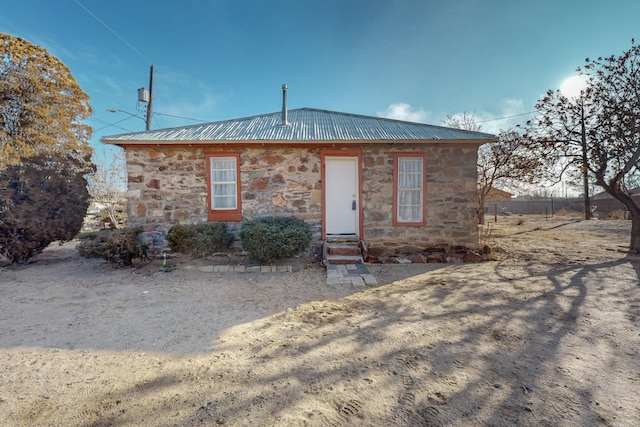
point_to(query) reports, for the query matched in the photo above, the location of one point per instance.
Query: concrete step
(342, 249)
(344, 259)
(341, 252)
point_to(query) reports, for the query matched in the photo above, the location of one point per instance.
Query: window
(409, 189)
(224, 187)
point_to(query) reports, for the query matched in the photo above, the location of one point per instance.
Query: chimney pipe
(285, 122)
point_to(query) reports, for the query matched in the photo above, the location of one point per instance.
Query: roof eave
(247, 143)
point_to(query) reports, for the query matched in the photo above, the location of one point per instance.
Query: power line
(108, 125)
(181, 117)
(115, 124)
(116, 34)
(505, 117)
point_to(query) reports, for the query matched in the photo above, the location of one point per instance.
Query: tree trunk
(632, 207)
(481, 215)
(588, 214)
(634, 245)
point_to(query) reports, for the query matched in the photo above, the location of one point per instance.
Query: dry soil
(546, 334)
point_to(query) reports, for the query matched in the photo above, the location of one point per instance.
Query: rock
(451, 257)
(471, 256)
(376, 251)
(409, 250)
(419, 259)
(435, 258)
(435, 250)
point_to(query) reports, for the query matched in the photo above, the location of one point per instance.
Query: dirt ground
(547, 334)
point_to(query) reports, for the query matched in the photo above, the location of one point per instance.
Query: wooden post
(148, 121)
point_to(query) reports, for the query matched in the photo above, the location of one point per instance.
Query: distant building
(495, 194)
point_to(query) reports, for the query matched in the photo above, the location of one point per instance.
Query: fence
(552, 205)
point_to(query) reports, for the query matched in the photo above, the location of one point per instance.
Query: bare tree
(464, 120)
(506, 162)
(614, 152)
(503, 162)
(107, 189)
(599, 134)
(560, 135)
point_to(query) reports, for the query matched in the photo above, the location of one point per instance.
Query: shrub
(117, 213)
(200, 240)
(274, 238)
(615, 214)
(119, 247)
(42, 199)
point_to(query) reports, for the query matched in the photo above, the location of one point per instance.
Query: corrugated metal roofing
(305, 124)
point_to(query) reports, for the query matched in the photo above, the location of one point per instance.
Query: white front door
(341, 195)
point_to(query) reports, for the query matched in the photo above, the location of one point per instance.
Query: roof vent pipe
(285, 122)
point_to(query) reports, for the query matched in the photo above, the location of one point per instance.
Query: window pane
(223, 183)
(224, 175)
(410, 191)
(223, 162)
(224, 189)
(224, 202)
(410, 214)
(409, 164)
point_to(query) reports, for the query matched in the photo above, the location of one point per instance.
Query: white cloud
(511, 112)
(403, 111)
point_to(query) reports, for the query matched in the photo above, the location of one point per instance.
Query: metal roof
(304, 125)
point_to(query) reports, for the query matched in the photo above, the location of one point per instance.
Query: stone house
(395, 186)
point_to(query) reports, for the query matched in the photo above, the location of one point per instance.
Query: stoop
(341, 251)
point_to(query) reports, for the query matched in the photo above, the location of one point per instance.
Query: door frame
(357, 154)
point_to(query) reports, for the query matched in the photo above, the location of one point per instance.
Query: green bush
(274, 238)
(200, 240)
(119, 247)
(42, 199)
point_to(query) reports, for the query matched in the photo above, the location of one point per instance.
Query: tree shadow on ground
(517, 344)
(462, 353)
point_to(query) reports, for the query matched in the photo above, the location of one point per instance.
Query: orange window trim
(224, 215)
(396, 222)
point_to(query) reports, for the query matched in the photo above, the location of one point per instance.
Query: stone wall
(451, 220)
(168, 186)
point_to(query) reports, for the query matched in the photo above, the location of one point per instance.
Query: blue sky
(407, 59)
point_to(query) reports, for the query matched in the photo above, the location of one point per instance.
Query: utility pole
(148, 121)
(585, 165)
